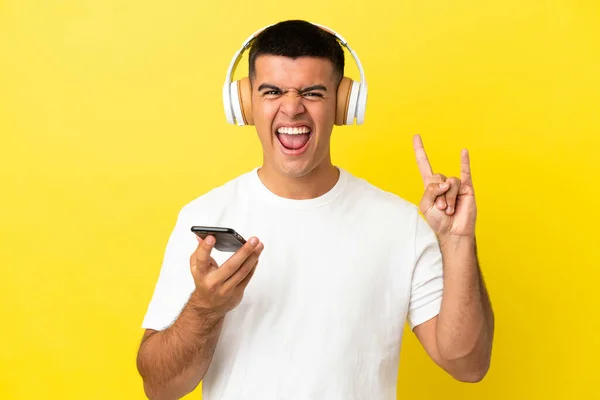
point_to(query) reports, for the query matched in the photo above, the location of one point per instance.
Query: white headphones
(351, 95)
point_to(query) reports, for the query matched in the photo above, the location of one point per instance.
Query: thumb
(201, 260)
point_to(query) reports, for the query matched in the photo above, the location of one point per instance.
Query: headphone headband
(361, 90)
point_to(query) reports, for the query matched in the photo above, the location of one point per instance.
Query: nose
(292, 104)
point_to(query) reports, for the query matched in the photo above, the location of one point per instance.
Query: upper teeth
(294, 131)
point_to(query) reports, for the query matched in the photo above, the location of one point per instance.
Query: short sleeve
(175, 282)
(427, 280)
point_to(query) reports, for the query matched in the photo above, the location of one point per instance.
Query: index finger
(465, 168)
(422, 160)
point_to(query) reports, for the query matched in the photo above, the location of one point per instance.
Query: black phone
(227, 239)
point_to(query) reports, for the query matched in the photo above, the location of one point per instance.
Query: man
(314, 304)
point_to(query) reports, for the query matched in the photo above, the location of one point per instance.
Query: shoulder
(365, 193)
(215, 199)
(374, 209)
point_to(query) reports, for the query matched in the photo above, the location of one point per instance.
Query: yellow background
(111, 119)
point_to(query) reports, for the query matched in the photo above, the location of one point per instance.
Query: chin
(295, 169)
(300, 168)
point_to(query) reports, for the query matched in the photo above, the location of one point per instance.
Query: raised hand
(220, 289)
(448, 204)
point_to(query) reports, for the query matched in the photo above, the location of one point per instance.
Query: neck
(314, 184)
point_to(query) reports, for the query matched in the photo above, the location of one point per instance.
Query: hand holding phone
(219, 289)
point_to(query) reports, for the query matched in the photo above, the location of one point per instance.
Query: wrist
(457, 242)
(207, 312)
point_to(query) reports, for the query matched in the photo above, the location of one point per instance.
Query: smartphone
(227, 239)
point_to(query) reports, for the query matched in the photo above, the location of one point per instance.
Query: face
(293, 106)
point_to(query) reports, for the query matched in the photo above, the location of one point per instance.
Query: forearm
(465, 324)
(173, 362)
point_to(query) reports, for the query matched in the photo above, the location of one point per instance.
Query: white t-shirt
(323, 315)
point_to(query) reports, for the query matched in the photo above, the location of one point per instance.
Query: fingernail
(449, 210)
(253, 241)
(443, 185)
(210, 240)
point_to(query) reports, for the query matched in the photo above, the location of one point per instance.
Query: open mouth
(294, 140)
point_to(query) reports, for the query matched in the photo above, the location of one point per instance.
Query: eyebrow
(308, 89)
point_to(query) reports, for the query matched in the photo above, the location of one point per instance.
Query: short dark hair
(297, 38)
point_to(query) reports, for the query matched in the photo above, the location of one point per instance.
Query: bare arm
(460, 338)
(173, 362)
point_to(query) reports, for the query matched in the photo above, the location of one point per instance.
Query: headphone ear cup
(343, 97)
(241, 101)
(246, 99)
(347, 98)
(361, 107)
(227, 106)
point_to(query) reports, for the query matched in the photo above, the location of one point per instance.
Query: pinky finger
(440, 201)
